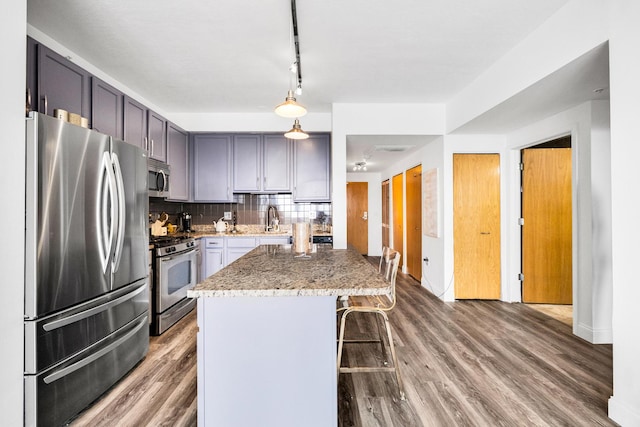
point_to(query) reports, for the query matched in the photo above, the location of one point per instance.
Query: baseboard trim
(623, 414)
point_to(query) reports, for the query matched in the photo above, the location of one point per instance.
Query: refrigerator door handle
(122, 212)
(95, 356)
(95, 310)
(106, 211)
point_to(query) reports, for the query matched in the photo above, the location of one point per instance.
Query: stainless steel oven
(175, 269)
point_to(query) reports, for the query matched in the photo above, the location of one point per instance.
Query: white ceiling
(233, 56)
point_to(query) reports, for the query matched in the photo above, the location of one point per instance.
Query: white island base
(267, 361)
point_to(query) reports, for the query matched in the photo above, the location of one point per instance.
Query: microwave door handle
(121, 209)
(164, 181)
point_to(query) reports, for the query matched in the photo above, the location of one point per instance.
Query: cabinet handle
(151, 151)
(46, 104)
(146, 144)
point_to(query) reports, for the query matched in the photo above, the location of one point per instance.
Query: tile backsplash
(250, 209)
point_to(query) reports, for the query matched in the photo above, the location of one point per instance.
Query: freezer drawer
(59, 393)
(54, 338)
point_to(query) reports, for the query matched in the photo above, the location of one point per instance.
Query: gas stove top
(168, 245)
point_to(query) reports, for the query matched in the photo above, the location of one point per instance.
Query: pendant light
(296, 132)
(290, 108)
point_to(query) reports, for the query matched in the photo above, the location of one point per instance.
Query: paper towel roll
(301, 233)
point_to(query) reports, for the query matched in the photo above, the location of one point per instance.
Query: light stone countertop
(272, 270)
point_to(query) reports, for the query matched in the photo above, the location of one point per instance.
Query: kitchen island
(267, 336)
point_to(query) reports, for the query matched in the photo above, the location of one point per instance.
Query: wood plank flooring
(468, 363)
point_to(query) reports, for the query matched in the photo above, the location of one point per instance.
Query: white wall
(624, 45)
(372, 119)
(12, 112)
(374, 221)
(574, 30)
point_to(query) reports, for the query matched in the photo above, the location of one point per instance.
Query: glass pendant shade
(290, 108)
(296, 132)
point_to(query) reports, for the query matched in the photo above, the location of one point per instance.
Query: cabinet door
(157, 136)
(135, 123)
(178, 160)
(312, 169)
(238, 246)
(213, 262)
(247, 156)
(276, 169)
(32, 75)
(106, 108)
(61, 84)
(212, 168)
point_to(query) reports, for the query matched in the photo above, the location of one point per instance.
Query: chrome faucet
(272, 213)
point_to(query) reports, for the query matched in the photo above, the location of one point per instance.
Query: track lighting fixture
(360, 166)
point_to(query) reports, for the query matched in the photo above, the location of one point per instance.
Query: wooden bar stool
(389, 268)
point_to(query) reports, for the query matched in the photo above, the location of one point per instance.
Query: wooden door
(385, 213)
(358, 216)
(397, 183)
(546, 233)
(476, 226)
(414, 222)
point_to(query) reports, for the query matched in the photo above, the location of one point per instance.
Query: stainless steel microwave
(158, 178)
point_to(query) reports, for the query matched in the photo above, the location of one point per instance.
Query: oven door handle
(170, 258)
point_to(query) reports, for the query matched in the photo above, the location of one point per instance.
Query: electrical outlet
(312, 215)
(227, 216)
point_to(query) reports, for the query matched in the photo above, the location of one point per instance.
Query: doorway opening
(546, 232)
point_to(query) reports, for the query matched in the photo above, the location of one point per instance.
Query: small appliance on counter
(185, 222)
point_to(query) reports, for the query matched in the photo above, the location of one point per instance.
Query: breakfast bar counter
(267, 336)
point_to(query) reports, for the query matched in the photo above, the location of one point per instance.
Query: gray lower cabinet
(178, 160)
(238, 246)
(212, 168)
(106, 108)
(261, 163)
(312, 169)
(213, 256)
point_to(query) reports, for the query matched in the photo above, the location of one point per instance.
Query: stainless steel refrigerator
(86, 267)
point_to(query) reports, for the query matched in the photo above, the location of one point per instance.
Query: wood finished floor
(468, 363)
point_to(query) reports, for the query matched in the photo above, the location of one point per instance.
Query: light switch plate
(227, 216)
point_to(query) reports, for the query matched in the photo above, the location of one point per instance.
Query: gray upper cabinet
(276, 164)
(145, 128)
(106, 108)
(178, 160)
(61, 85)
(157, 136)
(212, 168)
(135, 123)
(247, 163)
(261, 163)
(312, 169)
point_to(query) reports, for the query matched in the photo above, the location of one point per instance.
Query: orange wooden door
(358, 216)
(385, 213)
(398, 215)
(547, 229)
(476, 226)
(414, 222)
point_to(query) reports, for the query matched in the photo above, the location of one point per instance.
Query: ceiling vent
(392, 148)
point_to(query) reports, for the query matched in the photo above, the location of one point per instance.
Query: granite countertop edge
(334, 292)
